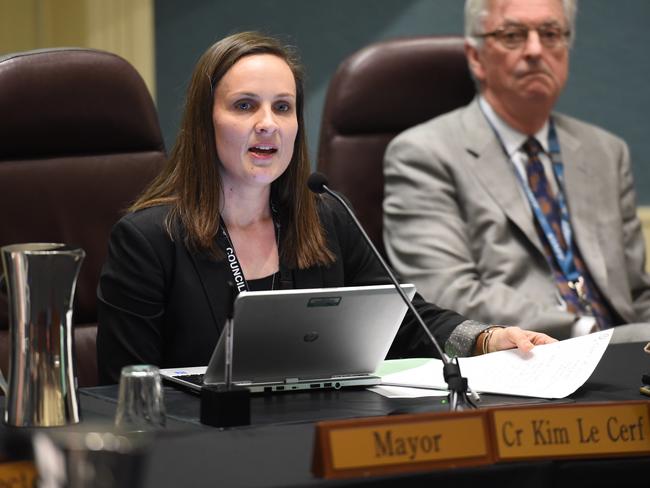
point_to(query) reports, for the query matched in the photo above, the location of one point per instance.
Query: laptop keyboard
(196, 379)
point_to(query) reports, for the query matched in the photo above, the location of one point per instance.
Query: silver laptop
(288, 340)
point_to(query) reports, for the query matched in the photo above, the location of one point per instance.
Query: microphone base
(225, 407)
(458, 398)
(460, 401)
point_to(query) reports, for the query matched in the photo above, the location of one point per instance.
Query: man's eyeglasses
(515, 36)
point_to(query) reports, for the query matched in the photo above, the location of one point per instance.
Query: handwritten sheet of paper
(550, 371)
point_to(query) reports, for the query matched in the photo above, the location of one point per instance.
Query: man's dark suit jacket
(161, 304)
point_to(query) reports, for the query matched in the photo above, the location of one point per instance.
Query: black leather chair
(375, 94)
(80, 140)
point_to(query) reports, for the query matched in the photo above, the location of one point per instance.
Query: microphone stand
(227, 404)
(456, 383)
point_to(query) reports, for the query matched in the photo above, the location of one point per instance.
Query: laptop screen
(300, 335)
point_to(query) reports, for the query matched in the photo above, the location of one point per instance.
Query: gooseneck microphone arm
(457, 385)
(322, 187)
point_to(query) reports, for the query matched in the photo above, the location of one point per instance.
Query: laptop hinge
(351, 375)
(291, 380)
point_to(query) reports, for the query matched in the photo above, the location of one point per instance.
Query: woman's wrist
(483, 340)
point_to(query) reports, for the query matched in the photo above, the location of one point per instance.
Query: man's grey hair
(477, 10)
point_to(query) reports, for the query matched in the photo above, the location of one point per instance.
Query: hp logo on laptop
(310, 336)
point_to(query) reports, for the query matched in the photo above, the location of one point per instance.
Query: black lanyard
(231, 256)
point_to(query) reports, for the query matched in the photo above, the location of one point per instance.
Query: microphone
(317, 182)
(457, 385)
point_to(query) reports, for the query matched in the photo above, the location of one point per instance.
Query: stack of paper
(550, 371)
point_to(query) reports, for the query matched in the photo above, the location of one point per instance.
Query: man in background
(507, 211)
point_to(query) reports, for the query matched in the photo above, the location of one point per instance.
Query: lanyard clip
(579, 287)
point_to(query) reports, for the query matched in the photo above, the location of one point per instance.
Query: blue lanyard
(563, 258)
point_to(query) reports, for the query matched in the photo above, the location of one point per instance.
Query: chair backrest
(80, 139)
(375, 94)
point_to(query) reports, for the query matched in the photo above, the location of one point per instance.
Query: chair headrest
(389, 86)
(61, 102)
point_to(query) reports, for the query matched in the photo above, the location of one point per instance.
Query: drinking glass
(140, 404)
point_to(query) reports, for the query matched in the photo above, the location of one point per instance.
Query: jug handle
(3, 382)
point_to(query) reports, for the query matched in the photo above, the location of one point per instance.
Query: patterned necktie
(550, 207)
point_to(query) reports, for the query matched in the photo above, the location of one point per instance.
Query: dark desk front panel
(276, 450)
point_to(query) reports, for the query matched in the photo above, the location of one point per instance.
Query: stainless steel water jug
(40, 280)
